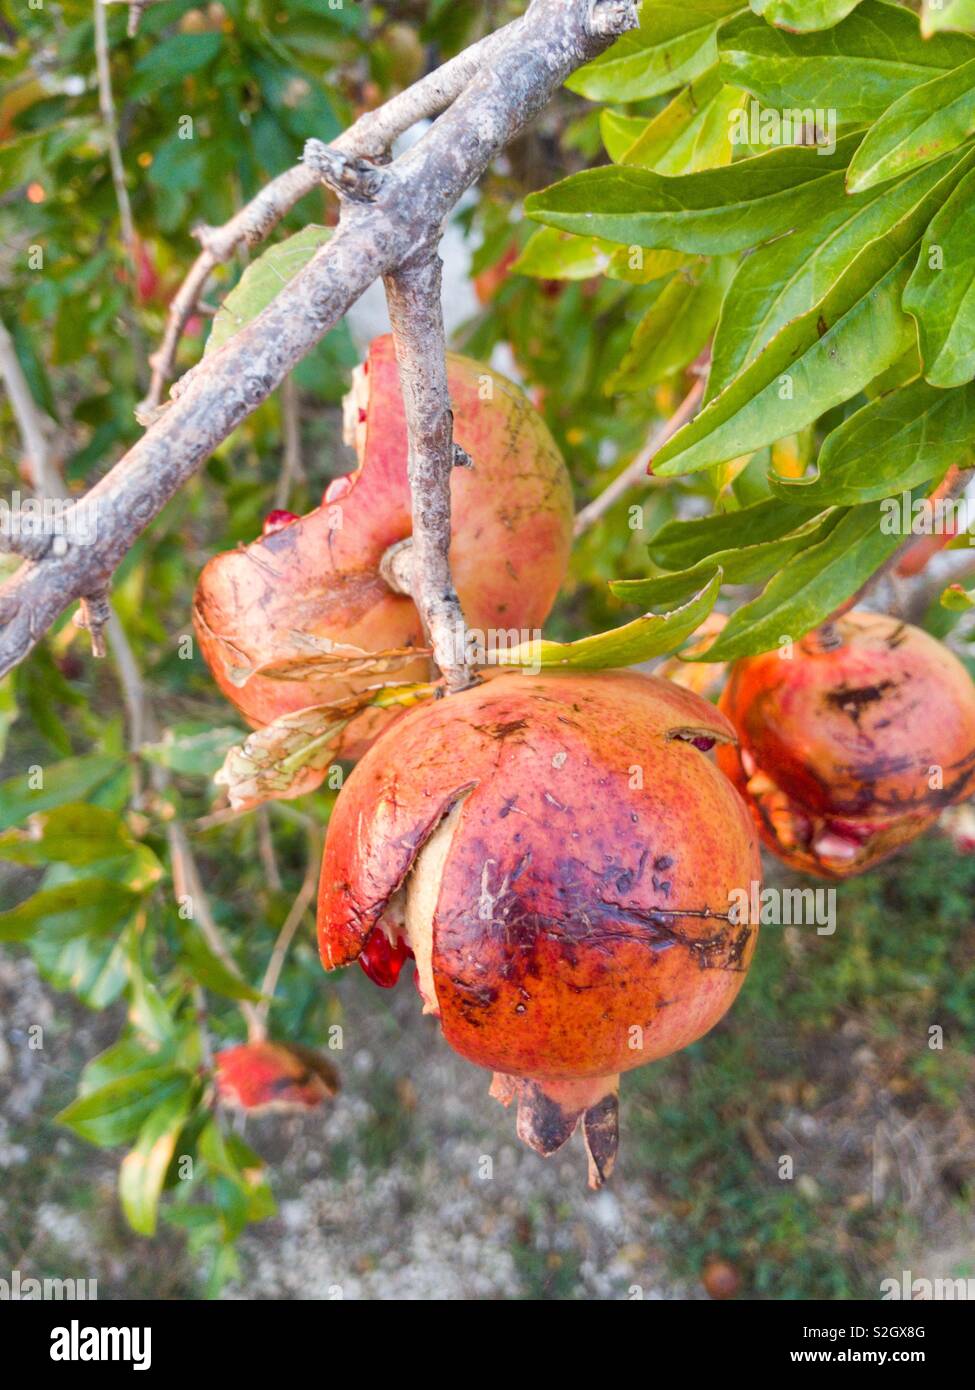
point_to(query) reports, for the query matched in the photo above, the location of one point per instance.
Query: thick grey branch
(416, 316)
(373, 240)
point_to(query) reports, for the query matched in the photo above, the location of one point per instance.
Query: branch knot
(356, 179)
(608, 19)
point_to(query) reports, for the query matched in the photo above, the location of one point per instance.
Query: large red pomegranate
(561, 857)
(303, 616)
(851, 742)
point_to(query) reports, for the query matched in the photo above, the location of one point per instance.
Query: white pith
(410, 912)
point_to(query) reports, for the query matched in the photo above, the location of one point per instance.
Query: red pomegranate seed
(381, 960)
(277, 520)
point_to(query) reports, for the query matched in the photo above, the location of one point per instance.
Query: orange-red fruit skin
(258, 1075)
(572, 935)
(318, 578)
(851, 736)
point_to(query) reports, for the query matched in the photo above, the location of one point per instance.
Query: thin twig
(292, 467)
(33, 424)
(636, 471)
(306, 896)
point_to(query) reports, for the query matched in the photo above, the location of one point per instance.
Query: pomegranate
(265, 1075)
(559, 855)
(852, 743)
(303, 616)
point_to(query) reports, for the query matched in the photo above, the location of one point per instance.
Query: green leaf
(71, 780)
(71, 909)
(673, 44)
(116, 1113)
(816, 362)
(941, 292)
(75, 833)
(639, 267)
(956, 599)
(553, 255)
(192, 750)
(854, 70)
(262, 280)
(809, 589)
(937, 15)
(8, 709)
(144, 1167)
(211, 972)
(172, 59)
(711, 212)
(745, 564)
(618, 132)
(676, 326)
(123, 1058)
(652, 635)
(921, 125)
(680, 544)
(801, 16)
(693, 132)
(784, 280)
(897, 441)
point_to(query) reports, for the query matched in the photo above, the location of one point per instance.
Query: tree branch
(373, 239)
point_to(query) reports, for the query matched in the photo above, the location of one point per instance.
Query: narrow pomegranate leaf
(924, 123)
(712, 212)
(785, 279)
(941, 291)
(692, 132)
(809, 589)
(801, 16)
(855, 69)
(938, 15)
(746, 564)
(680, 544)
(262, 280)
(143, 1170)
(895, 442)
(652, 635)
(674, 43)
(676, 326)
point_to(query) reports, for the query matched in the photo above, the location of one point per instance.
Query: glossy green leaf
(263, 279)
(652, 635)
(676, 326)
(172, 59)
(211, 972)
(123, 1058)
(785, 279)
(711, 212)
(639, 267)
(816, 362)
(941, 291)
(681, 544)
(553, 255)
(674, 43)
(745, 564)
(854, 70)
(810, 588)
(115, 1113)
(143, 1170)
(693, 131)
(926, 122)
(618, 132)
(895, 442)
(801, 16)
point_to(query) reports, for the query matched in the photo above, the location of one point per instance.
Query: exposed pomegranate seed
(381, 960)
(277, 520)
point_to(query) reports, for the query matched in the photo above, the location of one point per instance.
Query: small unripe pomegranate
(266, 1075)
(561, 857)
(307, 602)
(851, 745)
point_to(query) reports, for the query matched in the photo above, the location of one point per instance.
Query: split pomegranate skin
(264, 1075)
(853, 745)
(310, 588)
(560, 858)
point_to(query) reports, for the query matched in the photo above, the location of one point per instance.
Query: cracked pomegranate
(852, 746)
(265, 1075)
(303, 616)
(559, 856)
